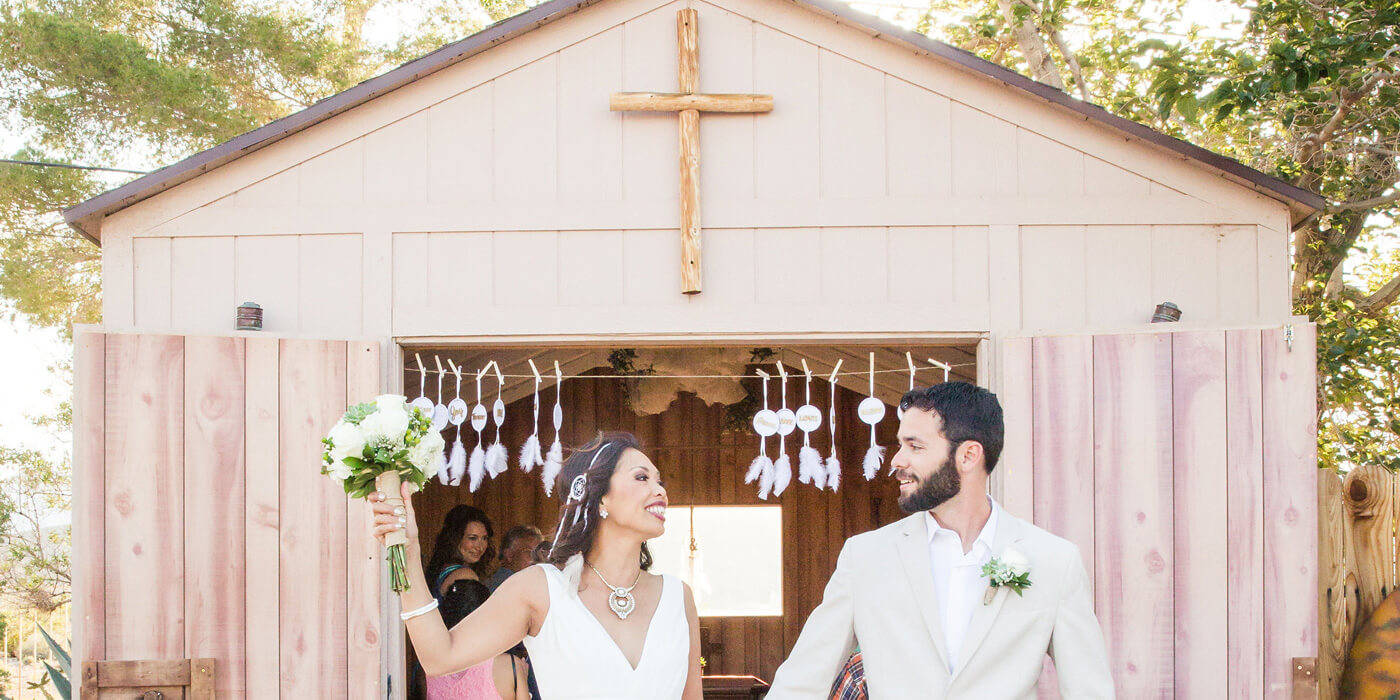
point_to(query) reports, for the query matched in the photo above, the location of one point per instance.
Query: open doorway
(691, 407)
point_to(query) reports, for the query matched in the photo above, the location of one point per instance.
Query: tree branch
(1364, 204)
(1381, 298)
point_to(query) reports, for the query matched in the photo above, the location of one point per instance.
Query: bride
(597, 625)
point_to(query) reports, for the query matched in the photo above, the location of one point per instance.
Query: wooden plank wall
(203, 527)
(1153, 453)
(703, 465)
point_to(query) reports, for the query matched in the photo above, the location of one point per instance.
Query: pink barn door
(201, 525)
(1184, 466)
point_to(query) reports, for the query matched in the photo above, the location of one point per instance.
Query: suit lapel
(913, 551)
(1008, 532)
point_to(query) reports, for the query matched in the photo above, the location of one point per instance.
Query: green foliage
(59, 676)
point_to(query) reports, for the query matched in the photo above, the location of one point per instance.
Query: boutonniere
(1012, 569)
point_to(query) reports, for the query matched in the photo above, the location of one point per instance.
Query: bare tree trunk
(1027, 33)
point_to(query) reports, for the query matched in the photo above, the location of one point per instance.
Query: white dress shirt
(957, 577)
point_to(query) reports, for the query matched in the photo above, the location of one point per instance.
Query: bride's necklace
(620, 601)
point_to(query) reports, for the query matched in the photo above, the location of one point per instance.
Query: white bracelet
(420, 611)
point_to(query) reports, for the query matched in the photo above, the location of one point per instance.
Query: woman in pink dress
(499, 678)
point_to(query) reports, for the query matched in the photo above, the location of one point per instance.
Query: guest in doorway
(500, 677)
(463, 548)
(516, 547)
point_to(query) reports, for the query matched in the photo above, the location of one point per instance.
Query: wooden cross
(690, 103)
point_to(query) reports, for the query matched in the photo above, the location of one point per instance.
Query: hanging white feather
(874, 457)
(476, 467)
(553, 463)
(833, 472)
(497, 459)
(530, 455)
(809, 462)
(441, 466)
(457, 464)
(765, 480)
(756, 468)
(782, 474)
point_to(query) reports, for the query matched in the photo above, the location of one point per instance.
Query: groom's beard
(934, 491)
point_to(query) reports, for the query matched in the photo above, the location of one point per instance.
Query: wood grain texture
(1337, 608)
(312, 571)
(689, 125)
(214, 506)
(144, 511)
(1290, 503)
(89, 484)
(1134, 558)
(682, 101)
(262, 445)
(1200, 513)
(363, 556)
(1244, 485)
(1062, 387)
(1016, 474)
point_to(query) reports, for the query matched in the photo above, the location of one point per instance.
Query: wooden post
(1336, 594)
(1305, 678)
(688, 39)
(1369, 498)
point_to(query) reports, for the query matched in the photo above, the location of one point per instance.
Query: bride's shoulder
(530, 583)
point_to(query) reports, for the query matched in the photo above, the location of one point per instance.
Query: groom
(913, 594)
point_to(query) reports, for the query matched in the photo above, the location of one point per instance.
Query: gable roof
(84, 216)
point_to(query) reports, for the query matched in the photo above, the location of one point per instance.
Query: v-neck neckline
(646, 640)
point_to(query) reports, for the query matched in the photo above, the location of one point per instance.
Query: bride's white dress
(574, 658)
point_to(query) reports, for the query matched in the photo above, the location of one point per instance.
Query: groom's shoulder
(882, 535)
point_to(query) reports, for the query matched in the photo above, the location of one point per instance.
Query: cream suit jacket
(882, 596)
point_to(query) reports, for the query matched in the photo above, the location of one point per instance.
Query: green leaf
(63, 659)
(60, 682)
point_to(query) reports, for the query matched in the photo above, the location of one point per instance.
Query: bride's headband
(576, 493)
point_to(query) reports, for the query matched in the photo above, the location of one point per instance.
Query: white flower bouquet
(376, 446)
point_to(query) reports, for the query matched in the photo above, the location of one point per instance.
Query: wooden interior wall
(703, 465)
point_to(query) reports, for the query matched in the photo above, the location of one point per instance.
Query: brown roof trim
(1302, 202)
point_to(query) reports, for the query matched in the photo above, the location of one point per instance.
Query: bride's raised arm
(499, 624)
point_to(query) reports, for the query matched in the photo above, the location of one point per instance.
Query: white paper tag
(457, 411)
(478, 417)
(871, 410)
(809, 418)
(765, 423)
(558, 417)
(439, 417)
(787, 422)
(498, 412)
(423, 404)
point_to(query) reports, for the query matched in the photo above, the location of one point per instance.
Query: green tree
(1305, 90)
(147, 82)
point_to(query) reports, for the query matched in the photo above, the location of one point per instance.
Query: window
(736, 569)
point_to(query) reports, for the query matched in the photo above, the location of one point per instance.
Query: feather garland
(782, 474)
(553, 464)
(497, 459)
(476, 467)
(756, 468)
(809, 462)
(765, 480)
(833, 472)
(874, 457)
(530, 454)
(457, 464)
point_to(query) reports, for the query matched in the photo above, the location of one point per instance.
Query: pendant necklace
(620, 601)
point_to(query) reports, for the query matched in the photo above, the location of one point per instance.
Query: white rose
(424, 454)
(385, 425)
(346, 441)
(1016, 562)
(390, 402)
(339, 470)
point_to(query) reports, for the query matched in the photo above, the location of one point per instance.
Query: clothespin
(872, 374)
(909, 357)
(421, 370)
(943, 366)
(806, 370)
(536, 370)
(558, 375)
(456, 370)
(836, 371)
(438, 360)
(500, 376)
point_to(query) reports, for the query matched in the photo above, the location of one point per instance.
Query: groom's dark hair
(968, 412)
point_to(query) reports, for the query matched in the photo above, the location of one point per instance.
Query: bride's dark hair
(578, 520)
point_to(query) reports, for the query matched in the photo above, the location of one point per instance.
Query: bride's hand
(388, 518)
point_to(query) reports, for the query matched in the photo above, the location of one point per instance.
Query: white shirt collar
(984, 538)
